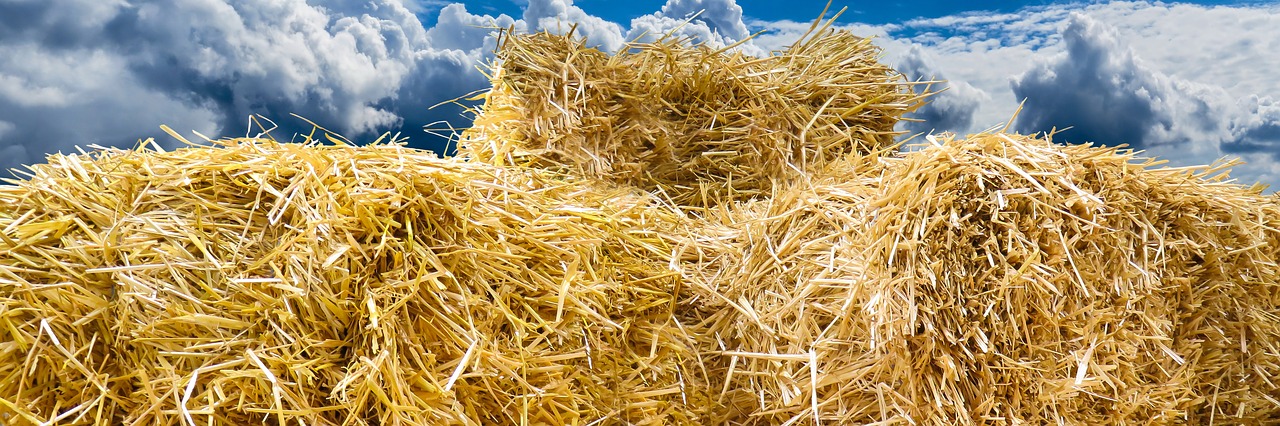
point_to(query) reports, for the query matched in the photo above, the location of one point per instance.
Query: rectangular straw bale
(699, 125)
(998, 278)
(258, 281)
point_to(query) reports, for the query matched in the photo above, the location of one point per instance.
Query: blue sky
(1190, 82)
(865, 12)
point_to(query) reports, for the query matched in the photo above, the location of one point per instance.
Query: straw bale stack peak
(699, 125)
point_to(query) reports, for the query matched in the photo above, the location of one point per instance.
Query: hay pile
(305, 284)
(700, 126)
(1076, 283)
(670, 235)
(996, 279)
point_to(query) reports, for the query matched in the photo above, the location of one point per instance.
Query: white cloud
(723, 17)
(1109, 96)
(715, 23)
(11, 156)
(24, 92)
(283, 57)
(110, 72)
(1101, 88)
(1258, 127)
(1208, 91)
(426, 6)
(951, 110)
(1227, 46)
(560, 16)
(54, 99)
(458, 30)
(780, 34)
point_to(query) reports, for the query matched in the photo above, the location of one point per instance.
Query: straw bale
(699, 125)
(290, 283)
(1106, 289)
(995, 279)
(1025, 281)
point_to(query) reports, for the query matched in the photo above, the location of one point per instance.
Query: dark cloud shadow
(1097, 89)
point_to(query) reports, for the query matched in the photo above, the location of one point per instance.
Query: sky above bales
(1190, 82)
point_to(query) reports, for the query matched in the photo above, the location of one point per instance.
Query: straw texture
(307, 284)
(669, 235)
(995, 279)
(701, 126)
(1025, 281)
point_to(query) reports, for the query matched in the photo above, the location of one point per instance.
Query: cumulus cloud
(282, 57)
(110, 72)
(951, 110)
(1101, 89)
(723, 17)
(458, 30)
(1208, 97)
(54, 99)
(559, 16)
(717, 23)
(1257, 129)
(1108, 95)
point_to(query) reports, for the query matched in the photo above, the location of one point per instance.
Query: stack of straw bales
(670, 235)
